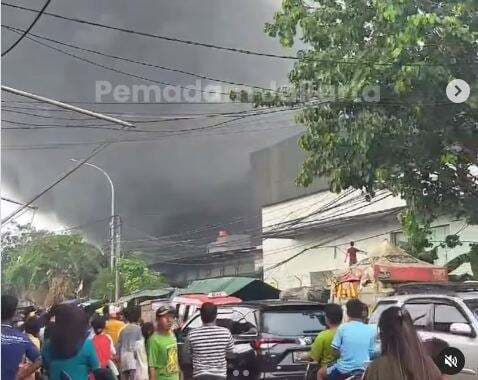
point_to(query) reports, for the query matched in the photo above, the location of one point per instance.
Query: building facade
(306, 239)
(229, 255)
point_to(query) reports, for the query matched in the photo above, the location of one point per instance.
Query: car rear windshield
(473, 305)
(293, 323)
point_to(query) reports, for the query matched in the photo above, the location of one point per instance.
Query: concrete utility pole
(117, 255)
(115, 233)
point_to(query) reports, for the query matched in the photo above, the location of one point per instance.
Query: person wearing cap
(163, 348)
(113, 324)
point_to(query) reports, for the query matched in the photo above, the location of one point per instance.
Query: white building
(306, 238)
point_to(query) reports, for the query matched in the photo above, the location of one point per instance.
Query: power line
(157, 36)
(117, 70)
(25, 32)
(29, 125)
(236, 50)
(44, 116)
(93, 153)
(351, 207)
(17, 202)
(116, 141)
(183, 115)
(132, 103)
(143, 63)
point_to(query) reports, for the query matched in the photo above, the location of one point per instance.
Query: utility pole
(117, 250)
(115, 233)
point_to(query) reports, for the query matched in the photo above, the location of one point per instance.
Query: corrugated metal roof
(228, 285)
(145, 293)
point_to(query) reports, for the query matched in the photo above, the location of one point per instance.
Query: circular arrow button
(458, 91)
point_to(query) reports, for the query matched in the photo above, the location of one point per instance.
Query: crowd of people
(350, 350)
(71, 343)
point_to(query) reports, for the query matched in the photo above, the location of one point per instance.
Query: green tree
(412, 141)
(134, 276)
(51, 267)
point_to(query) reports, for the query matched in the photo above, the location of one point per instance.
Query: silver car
(447, 313)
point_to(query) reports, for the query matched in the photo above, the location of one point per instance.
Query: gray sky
(167, 185)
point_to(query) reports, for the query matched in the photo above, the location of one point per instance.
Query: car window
(473, 306)
(293, 323)
(445, 315)
(419, 313)
(379, 309)
(244, 322)
(240, 321)
(194, 323)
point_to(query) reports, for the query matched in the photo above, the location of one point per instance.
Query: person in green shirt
(163, 348)
(321, 350)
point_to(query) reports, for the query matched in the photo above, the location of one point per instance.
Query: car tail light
(263, 344)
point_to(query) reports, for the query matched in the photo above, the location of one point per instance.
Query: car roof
(406, 297)
(278, 304)
(450, 288)
(468, 296)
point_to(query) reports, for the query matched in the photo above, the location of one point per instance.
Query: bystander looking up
(68, 354)
(105, 349)
(321, 350)
(209, 345)
(113, 324)
(354, 342)
(15, 345)
(403, 356)
(163, 348)
(130, 347)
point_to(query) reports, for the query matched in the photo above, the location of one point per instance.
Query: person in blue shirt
(354, 341)
(15, 344)
(68, 354)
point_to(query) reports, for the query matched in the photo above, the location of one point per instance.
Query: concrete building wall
(323, 248)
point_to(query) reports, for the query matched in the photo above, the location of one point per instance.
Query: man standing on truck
(351, 254)
(209, 345)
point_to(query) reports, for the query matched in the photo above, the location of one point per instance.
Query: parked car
(186, 305)
(270, 338)
(446, 311)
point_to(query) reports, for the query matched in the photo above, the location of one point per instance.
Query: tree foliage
(134, 276)
(409, 139)
(56, 265)
(48, 267)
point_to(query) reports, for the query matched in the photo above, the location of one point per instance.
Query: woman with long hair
(403, 355)
(67, 353)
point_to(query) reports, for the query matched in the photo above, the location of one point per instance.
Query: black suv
(269, 337)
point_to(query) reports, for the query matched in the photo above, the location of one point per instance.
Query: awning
(245, 288)
(144, 294)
